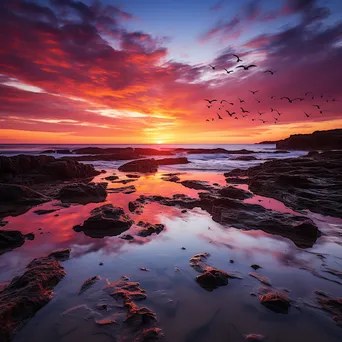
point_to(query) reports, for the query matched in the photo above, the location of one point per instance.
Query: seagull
(272, 110)
(253, 119)
(321, 111)
(244, 111)
(298, 98)
(229, 113)
(272, 97)
(219, 116)
(307, 115)
(212, 119)
(257, 100)
(263, 121)
(241, 101)
(220, 108)
(236, 118)
(207, 120)
(238, 58)
(260, 113)
(223, 101)
(231, 103)
(228, 71)
(210, 101)
(209, 106)
(270, 71)
(276, 119)
(333, 100)
(278, 112)
(318, 107)
(244, 115)
(254, 92)
(212, 66)
(285, 97)
(246, 67)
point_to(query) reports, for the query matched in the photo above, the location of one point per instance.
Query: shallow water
(186, 312)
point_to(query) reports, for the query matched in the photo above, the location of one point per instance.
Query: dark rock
(132, 176)
(11, 239)
(124, 181)
(236, 180)
(29, 236)
(319, 140)
(49, 151)
(135, 207)
(212, 278)
(125, 190)
(150, 335)
(246, 158)
(255, 266)
(334, 306)
(198, 262)
(275, 301)
(88, 283)
(83, 193)
(106, 220)
(26, 294)
(196, 184)
(111, 178)
(231, 261)
(139, 316)
(184, 211)
(261, 278)
(149, 229)
(254, 337)
(60, 254)
(172, 178)
(127, 237)
(233, 192)
(3, 223)
(63, 152)
(236, 173)
(103, 171)
(44, 211)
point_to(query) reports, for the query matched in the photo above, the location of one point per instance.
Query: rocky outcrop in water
(11, 239)
(150, 165)
(28, 293)
(83, 193)
(149, 228)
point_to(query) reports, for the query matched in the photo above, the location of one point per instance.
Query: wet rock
(233, 192)
(150, 335)
(136, 207)
(231, 261)
(61, 254)
(106, 220)
(197, 185)
(144, 269)
(125, 190)
(236, 173)
(276, 301)
(334, 272)
(11, 239)
(44, 211)
(246, 158)
(172, 178)
(321, 293)
(103, 171)
(139, 316)
(111, 178)
(3, 223)
(254, 337)
(255, 266)
(88, 283)
(26, 294)
(212, 278)
(236, 180)
(183, 248)
(83, 193)
(261, 278)
(127, 291)
(124, 181)
(127, 237)
(198, 261)
(184, 211)
(334, 306)
(132, 176)
(149, 229)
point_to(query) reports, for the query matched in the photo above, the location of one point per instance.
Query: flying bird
(223, 101)
(276, 119)
(244, 115)
(253, 119)
(298, 98)
(238, 58)
(244, 111)
(228, 71)
(209, 106)
(246, 67)
(272, 97)
(231, 103)
(333, 100)
(263, 121)
(241, 101)
(257, 100)
(229, 113)
(272, 110)
(309, 92)
(278, 112)
(236, 118)
(287, 98)
(212, 119)
(207, 120)
(219, 116)
(260, 113)
(318, 107)
(210, 101)
(254, 92)
(307, 115)
(270, 71)
(212, 67)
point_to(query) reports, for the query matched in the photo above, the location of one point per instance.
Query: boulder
(196, 184)
(246, 158)
(276, 301)
(83, 193)
(212, 278)
(111, 178)
(233, 192)
(106, 220)
(60, 254)
(11, 239)
(150, 165)
(26, 294)
(149, 229)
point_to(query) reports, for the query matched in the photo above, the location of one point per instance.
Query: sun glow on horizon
(159, 142)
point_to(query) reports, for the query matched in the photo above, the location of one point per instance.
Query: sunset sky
(137, 71)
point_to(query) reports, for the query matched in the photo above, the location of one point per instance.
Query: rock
(275, 301)
(48, 151)
(334, 306)
(254, 337)
(321, 293)
(149, 229)
(198, 261)
(172, 178)
(83, 193)
(319, 140)
(103, 171)
(3, 223)
(139, 316)
(255, 266)
(261, 278)
(111, 178)
(44, 211)
(236, 180)
(88, 283)
(144, 269)
(125, 190)
(26, 294)
(233, 192)
(150, 335)
(11, 239)
(124, 181)
(106, 220)
(60, 254)
(132, 176)
(212, 278)
(127, 237)
(183, 248)
(246, 158)
(135, 206)
(127, 291)
(302, 183)
(100, 263)
(231, 261)
(197, 185)
(184, 211)
(63, 151)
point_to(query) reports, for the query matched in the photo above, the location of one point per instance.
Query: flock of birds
(244, 113)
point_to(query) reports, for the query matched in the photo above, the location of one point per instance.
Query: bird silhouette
(276, 119)
(270, 71)
(246, 67)
(223, 101)
(210, 101)
(272, 110)
(244, 115)
(241, 101)
(254, 92)
(260, 113)
(209, 106)
(229, 113)
(220, 108)
(318, 107)
(238, 58)
(236, 118)
(278, 112)
(298, 98)
(207, 120)
(244, 111)
(287, 98)
(231, 103)
(212, 119)
(257, 100)
(212, 67)
(333, 100)
(253, 119)
(307, 115)
(321, 111)
(309, 92)
(219, 116)
(263, 121)
(228, 71)
(272, 97)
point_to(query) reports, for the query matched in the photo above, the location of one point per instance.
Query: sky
(137, 71)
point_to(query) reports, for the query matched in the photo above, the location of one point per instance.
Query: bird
(220, 108)
(253, 119)
(272, 110)
(228, 71)
(207, 120)
(236, 118)
(212, 119)
(260, 113)
(212, 67)
(241, 101)
(257, 100)
(318, 107)
(308, 92)
(333, 100)
(254, 92)
(276, 119)
(298, 98)
(229, 113)
(278, 112)
(238, 58)
(210, 101)
(219, 116)
(223, 101)
(285, 97)
(263, 121)
(244, 111)
(246, 67)
(321, 111)
(244, 115)
(270, 71)
(307, 115)
(209, 106)
(272, 97)
(231, 103)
